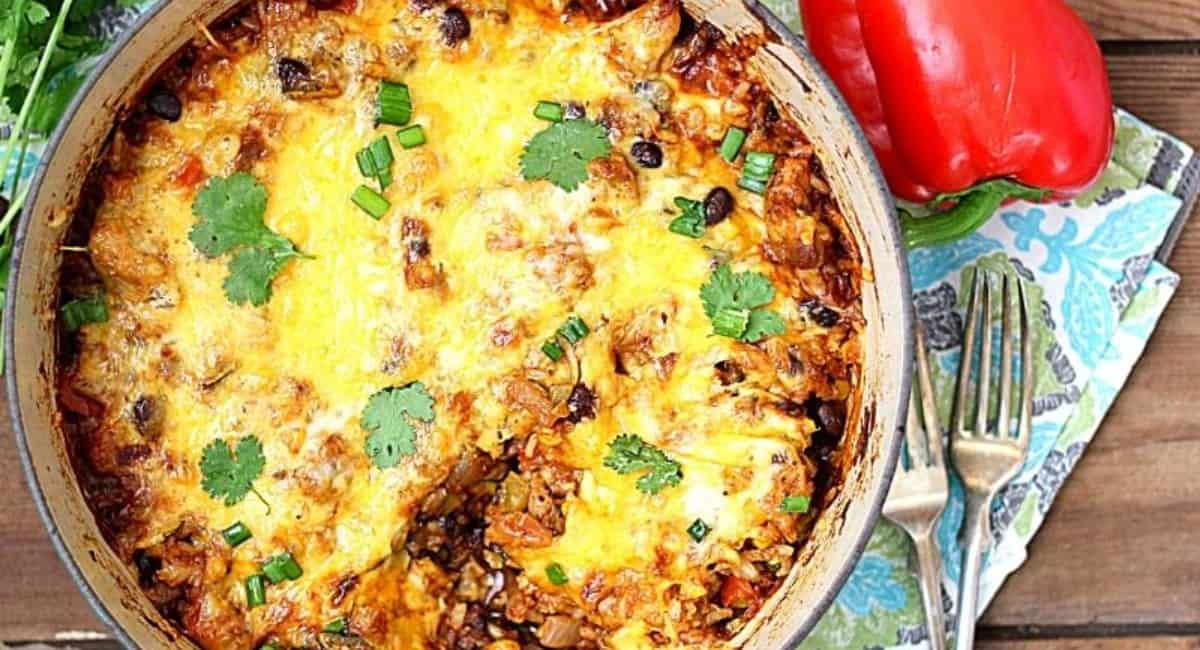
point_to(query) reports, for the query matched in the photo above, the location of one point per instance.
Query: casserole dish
(870, 438)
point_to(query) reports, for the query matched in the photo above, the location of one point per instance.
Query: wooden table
(1117, 564)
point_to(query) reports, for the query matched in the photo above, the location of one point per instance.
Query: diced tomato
(737, 593)
(190, 173)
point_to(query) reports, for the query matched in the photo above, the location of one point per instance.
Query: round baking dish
(799, 87)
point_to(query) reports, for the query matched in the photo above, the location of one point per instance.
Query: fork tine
(1025, 426)
(959, 417)
(984, 388)
(917, 455)
(933, 428)
(1003, 425)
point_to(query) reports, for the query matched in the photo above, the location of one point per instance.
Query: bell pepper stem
(972, 209)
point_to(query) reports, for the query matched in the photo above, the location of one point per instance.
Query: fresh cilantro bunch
(560, 152)
(231, 219)
(229, 477)
(734, 303)
(387, 418)
(25, 29)
(628, 453)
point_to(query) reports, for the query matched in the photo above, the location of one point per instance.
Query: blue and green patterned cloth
(1101, 288)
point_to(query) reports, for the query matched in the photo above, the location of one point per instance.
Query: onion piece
(559, 632)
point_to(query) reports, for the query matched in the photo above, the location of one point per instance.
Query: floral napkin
(1101, 290)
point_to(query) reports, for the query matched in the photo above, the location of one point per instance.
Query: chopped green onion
(687, 226)
(549, 111)
(83, 311)
(371, 202)
(699, 530)
(555, 574)
(553, 350)
(256, 591)
(731, 322)
(574, 329)
(268, 646)
(798, 504)
(752, 185)
(281, 567)
(760, 159)
(381, 150)
(395, 103)
(336, 626)
(375, 161)
(236, 534)
(757, 171)
(411, 136)
(691, 222)
(732, 144)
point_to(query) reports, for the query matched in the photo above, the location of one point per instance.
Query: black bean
(717, 206)
(822, 447)
(656, 93)
(454, 25)
(581, 404)
(147, 566)
(165, 105)
(418, 248)
(147, 417)
(832, 417)
(729, 372)
(820, 314)
(293, 74)
(647, 154)
(574, 111)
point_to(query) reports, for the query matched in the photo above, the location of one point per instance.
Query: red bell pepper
(969, 103)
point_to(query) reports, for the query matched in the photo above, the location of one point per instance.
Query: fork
(919, 492)
(987, 457)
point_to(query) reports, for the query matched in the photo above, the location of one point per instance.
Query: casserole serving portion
(398, 323)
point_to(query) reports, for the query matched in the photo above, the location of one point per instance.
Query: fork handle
(975, 536)
(929, 561)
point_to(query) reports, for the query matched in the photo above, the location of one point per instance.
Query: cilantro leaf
(231, 219)
(231, 214)
(560, 152)
(252, 269)
(229, 477)
(628, 453)
(727, 293)
(718, 292)
(386, 417)
(763, 323)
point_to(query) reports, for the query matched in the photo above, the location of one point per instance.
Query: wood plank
(1141, 19)
(39, 601)
(1120, 545)
(1123, 643)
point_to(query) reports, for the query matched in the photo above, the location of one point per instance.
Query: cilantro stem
(59, 22)
(260, 498)
(14, 208)
(10, 46)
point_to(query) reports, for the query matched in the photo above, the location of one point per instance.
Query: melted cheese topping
(513, 258)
